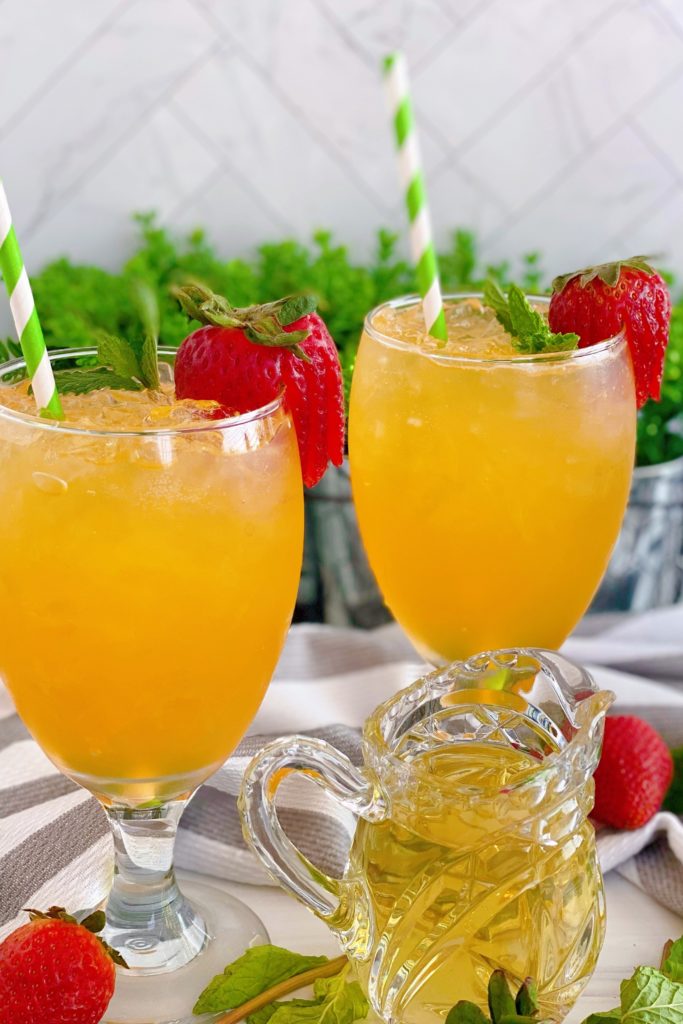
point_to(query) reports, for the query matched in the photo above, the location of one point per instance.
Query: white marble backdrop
(550, 124)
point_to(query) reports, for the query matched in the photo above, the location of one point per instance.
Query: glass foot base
(142, 998)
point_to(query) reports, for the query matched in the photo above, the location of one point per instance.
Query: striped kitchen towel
(54, 843)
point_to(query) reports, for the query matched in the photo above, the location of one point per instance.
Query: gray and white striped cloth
(54, 844)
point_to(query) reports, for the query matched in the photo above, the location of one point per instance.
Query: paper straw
(25, 317)
(412, 181)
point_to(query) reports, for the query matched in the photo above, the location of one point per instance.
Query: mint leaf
(336, 1002)
(494, 298)
(528, 325)
(608, 1017)
(82, 380)
(649, 997)
(526, 1002)
(528, 330)
(341, 1002)
(266, 1013)
(119, 355)
(465, 1012)
(148, 307)
(149, 364)
(501, 1003)
(672, 966)
(255, 971)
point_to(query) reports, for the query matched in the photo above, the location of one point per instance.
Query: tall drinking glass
(489, 485)
(148, 573)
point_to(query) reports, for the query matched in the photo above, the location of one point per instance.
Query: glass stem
(148, 919)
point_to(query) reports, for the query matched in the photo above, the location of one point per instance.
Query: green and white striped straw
(25, 317)
(412, 181)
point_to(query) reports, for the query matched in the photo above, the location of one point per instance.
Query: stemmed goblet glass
(489, 485)
(148, 575)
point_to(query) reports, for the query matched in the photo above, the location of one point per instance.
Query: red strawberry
(597, 302)
(244, 358)
(633, 775)
(56, 971)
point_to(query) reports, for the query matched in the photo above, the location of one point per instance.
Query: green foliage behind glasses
(75, 300)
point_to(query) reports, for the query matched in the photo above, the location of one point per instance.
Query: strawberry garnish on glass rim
(597, 302)
(244, 358)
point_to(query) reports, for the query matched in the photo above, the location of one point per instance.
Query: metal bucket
(646, 568)
(645, 571)
(350, 596)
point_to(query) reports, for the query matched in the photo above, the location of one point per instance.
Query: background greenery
(72, 300)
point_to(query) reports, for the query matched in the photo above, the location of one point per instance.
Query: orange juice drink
(490, 486)
(149, 561)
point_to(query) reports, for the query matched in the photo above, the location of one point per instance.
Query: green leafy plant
(76, 302)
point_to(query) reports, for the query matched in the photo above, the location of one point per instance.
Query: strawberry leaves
(294, 307)
(528, 330)
(93, 922)
(608, 273)
(262, 324)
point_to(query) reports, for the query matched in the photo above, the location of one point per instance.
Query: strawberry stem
(608, 273)
(261, 324)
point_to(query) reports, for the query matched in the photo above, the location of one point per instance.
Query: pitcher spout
(581, 706)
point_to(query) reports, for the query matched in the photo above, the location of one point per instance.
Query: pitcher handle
(330, 899)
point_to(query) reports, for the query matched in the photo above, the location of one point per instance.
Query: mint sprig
(528, 330)
(148, 307)
(251, 974)
(251, 988)
(124, 365)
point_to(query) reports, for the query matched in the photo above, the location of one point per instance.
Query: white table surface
(637, 928)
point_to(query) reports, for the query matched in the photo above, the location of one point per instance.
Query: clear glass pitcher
(472, 848)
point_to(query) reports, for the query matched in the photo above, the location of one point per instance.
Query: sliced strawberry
(244, 358)
(597, 302)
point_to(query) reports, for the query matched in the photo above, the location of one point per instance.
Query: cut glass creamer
(472, 850)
